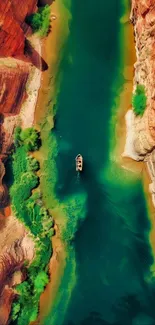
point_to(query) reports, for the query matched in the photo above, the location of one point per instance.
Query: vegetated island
(26, 224)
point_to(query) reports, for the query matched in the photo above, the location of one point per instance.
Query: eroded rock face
(12, 86)
(13, 27)
(16, 247)
(14, 72)
(143, 19)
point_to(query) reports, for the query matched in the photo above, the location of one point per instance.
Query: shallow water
(107, 278)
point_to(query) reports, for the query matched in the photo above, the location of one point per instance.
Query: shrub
(33, 164)
(30, 139)
(15, 310)
(139, 100)
(29, 209)
(19, 163)
(17, 133)
(40, 21)
(40, 281)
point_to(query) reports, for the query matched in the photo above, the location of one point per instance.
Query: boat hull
(79, 163)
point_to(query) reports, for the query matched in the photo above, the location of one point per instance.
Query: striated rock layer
(13, 26)
(12, 86)
(141, 130)
(16, 246)
(14, 73)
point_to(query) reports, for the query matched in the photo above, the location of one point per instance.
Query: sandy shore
(32, 88)
(123, 103)
(129, 150)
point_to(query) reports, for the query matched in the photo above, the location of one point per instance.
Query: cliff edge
(16, 246)
(141, 130)
(13, 27)
(140, 140)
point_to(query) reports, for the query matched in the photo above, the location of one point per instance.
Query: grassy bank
(28, 207)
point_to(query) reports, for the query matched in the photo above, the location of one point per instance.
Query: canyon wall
(16, 245)
(141, 130)
(140, 140)
(15, 67)
(13, 26)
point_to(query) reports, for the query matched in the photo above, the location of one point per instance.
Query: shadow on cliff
(35, 57)
(45, 2)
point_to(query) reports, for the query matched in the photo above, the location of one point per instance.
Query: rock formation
(15, 246)
(13, 26)
(14, 72)
(140, 141)
(12, 85)
(141, 130)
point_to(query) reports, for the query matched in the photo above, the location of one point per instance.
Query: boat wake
(78, 178)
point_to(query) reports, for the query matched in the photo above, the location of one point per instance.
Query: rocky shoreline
(140, 137)
(20, 79)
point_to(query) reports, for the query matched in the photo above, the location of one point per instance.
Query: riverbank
(122, 103)
(33, 85)
(138, 141)
(44, 115)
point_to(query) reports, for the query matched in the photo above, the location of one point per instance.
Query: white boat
(79, 163)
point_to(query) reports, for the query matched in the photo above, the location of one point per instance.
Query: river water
(107, 278)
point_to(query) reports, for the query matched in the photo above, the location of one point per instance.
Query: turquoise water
(107, 278)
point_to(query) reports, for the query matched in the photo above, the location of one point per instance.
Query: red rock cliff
(12, 25)
(12, 87)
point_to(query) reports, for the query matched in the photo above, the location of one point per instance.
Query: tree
(139, 100)
(40, 21)
(15, 310)
(40, 281)
(30, 139)
(17, 133)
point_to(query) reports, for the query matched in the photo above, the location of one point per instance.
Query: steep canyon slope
(141, 133)
(15, 67)
(140, 141)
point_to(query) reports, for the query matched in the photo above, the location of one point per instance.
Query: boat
(79, 163)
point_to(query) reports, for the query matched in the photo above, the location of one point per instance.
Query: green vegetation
(139, 100)
(28, 207)
(28, 137)
(40, 21)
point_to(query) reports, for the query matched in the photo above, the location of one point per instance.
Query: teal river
(107, 278)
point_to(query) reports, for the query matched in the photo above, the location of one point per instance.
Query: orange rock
(12, 88)
(13, 27)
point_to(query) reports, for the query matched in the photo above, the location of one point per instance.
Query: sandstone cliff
(15, 69)
(140, 141)
(13, 27)
(16, 247)
(141, 131)
(13, 78)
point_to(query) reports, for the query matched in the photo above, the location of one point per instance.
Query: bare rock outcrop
(142, 140)
(16, 247)
(13, 26)
(13, 77)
